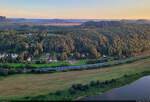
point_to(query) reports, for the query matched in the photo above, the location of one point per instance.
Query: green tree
(94, 53)
(36, 53)
(64, 56)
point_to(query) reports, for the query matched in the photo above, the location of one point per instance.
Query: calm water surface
(138, 90)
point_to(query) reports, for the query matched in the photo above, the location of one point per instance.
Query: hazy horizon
(76, 9)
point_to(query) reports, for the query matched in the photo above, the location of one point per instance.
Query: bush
(106, 82)
(86, 87)
(58, 93)
(97, 82)
(80, 87)
(125, 75)
(37, 62)
(74, 86)
(63, 65)
(27, 97)
(27, 66)
(12, 71)
(5, 66)
(72, 91)
(20, 71)
(92, 83)
(113, 80)
(3, 72)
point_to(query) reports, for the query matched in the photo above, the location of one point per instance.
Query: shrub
(106, 82)
(37, 62)
(74, 86)
(92, 83)
(28, 66)
(113, 80)
(20, 71)
(5, 66)
(63, 65)
(125, 75)
(58, 93)
(3, 72)
(86, 87)
(40, 96)
(97, 82)
(79, 87)
(27, 97)
(12, 71)
(72, 91)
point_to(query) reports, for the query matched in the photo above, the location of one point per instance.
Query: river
(75, 66)
(138, 90)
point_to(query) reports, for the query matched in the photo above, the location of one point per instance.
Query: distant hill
(136, 21)
(23, 20)
(103, 24)
(3, 18)
(121, 23)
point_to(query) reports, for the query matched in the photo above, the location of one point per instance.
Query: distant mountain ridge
(3, 18)
(103, 24)
(24, 20)
(58, 20)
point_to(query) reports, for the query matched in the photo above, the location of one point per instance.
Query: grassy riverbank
(24, 85)
(7, 71)
(59, 64)
(94, 87)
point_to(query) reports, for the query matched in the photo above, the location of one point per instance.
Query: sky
(79, 9)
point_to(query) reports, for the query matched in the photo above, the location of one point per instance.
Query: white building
(53, 60)
(14, 55)
(2, 55)
(47, 54)
(104, 56)
(44, 58)
(30, 34)
(72, 54)
(83, 55)
(29, 59)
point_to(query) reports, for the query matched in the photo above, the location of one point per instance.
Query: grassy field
(15, 64)
(83, 62)
(36, 84)
(54, 64)
(78, 91)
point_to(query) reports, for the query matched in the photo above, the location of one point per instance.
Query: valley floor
(37, 84)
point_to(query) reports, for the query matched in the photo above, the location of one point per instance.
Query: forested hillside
(90, 40)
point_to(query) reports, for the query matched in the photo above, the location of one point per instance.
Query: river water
(139, 90)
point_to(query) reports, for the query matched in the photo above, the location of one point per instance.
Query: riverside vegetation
(94, 87)
(6, 70)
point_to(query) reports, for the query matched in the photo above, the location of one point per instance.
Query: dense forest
(89, 40)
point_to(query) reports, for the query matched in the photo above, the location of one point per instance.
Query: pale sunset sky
(79, 9)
